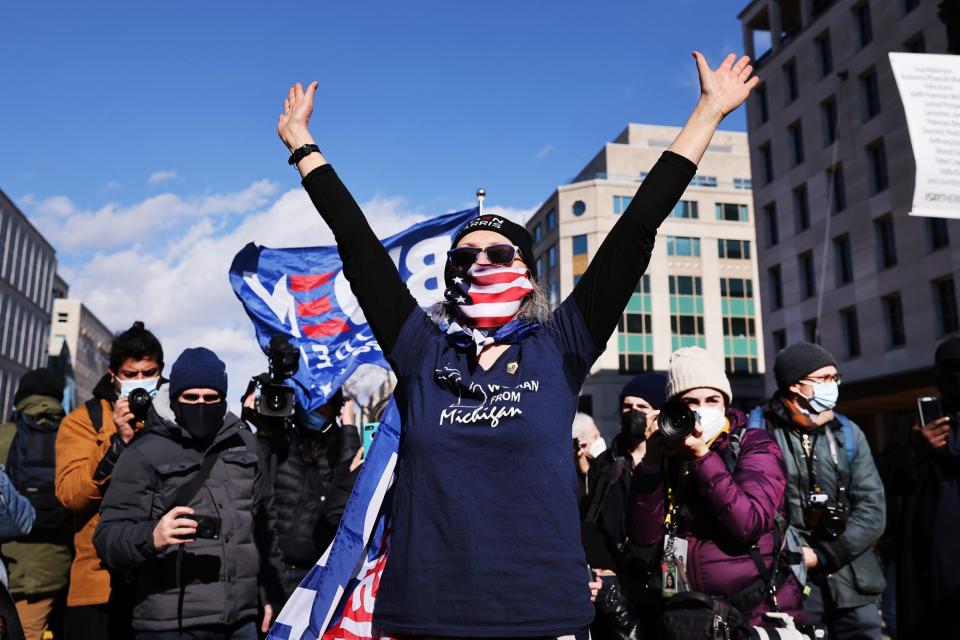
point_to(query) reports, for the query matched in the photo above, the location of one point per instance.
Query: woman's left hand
(692, 446)
(725, 88)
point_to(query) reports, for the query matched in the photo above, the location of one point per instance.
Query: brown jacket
(80, 449)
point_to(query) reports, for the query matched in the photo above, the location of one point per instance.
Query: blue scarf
(463, 338)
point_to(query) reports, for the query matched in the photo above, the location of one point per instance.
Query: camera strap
(832, 441)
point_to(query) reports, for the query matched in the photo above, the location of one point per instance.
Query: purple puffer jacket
(724, 516)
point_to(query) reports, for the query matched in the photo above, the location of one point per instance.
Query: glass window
(828, 119)
(877, 160)
(773, 229)
(703, 181)
(620, 203)
(538, 232)
(791, 81)
(579, 208)
(766, 158)
(551, 219)
(851, 332)
(945, 300)
(837, 187)
(824, 54)
(843, 258)
(893, 321)
(552, 256)
(779, 340)
(795, 134)
(742, 183)
(869, 94)
(810, 331)
(801, 208)
(761, 92)
(731, 212)
(863, 24)
(683, 246)
(808, 275)
(886, 242)
(579, 245)
(776, 287)
(733, 249)
(937, 234)
(685, 209)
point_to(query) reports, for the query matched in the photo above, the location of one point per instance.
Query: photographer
(924, 473)
(89, 443)
(834, 492)
(305, 456)
(190, 514)
(709, 492)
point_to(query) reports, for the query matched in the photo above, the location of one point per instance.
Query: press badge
(673, 577)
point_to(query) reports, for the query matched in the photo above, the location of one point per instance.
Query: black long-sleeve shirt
(601, 294)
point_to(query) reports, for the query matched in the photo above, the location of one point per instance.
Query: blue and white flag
(303, 293)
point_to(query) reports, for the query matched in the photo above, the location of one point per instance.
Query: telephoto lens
(140, 401)
(676, 420)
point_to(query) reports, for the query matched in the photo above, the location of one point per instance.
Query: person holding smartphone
(924, 475)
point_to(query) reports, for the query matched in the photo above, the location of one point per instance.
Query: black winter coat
(303, 469)
(219, 578)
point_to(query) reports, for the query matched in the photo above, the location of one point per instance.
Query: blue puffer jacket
(16, 512)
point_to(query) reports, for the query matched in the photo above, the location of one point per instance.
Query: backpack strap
(755, 419)
(95, 411)
(849, 437)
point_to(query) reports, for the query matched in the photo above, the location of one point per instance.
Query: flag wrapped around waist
(335, 599)
(303, 294)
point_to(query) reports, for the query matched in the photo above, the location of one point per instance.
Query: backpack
(31, 465)
(756, 421)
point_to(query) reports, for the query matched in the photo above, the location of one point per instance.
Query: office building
(701, 285)
(81, 341)
(840, 260)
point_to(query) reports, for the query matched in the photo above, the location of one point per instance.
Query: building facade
(82, 341)
(840, 261)
(27, 267)
(701, 286)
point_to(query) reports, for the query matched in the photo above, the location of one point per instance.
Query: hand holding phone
(929, 410)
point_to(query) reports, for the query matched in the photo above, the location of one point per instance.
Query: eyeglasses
(502, 254)
(198, 398)
(823, 379)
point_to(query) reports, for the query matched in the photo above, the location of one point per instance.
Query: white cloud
(544, 151)
(161, 176)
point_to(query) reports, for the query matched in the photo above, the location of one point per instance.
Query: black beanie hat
(198, 368)
(652, 387)
(798, 360)
(40, 382)
(516, 233)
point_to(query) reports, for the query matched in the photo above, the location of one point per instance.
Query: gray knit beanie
(695, 367)
(799, 360)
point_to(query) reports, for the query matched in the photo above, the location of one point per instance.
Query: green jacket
(35, 567)
(850, 569)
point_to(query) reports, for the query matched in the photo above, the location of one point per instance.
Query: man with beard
(620, 565)
(925, 475)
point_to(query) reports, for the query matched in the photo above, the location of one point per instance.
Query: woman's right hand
(293, 124)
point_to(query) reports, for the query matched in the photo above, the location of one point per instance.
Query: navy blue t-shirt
(486, 538)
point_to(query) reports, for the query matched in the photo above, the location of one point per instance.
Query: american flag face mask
(488, 295)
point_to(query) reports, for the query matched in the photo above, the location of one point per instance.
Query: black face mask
(202, 421)
(634, 424)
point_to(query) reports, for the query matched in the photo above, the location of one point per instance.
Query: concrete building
(27, 267)
(82, 341)
(701, 285)
(840, 260)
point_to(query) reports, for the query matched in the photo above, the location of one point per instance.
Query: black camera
(635, 424)
(140, 402)
(825, 518)
(276, 398)
(207, 526)
(676, 420)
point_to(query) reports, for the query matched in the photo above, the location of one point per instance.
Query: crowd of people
(153, 512)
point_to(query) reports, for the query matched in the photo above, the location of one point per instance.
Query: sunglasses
(197, 398)
(502, 254)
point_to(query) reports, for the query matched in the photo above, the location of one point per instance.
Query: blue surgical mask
(317, 423)
(150, 384)
(824, 396)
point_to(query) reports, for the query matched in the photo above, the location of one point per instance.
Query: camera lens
(676, 421)
(139, 400)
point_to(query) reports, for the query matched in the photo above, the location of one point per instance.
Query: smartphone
(929, 409)
(366, 436)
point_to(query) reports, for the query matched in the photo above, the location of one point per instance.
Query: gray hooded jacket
(219, 579)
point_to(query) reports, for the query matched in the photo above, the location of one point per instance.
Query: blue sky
(141, 137)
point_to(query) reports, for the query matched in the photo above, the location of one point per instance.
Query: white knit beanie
(695, 367)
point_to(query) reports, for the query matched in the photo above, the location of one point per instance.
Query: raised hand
(726, 87)
(293, 123)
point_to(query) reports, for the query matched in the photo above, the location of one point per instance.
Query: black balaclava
(199, 368)
(202, 421)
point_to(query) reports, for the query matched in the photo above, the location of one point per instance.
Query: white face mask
(150, 384)
(712, 422)
(597, 447)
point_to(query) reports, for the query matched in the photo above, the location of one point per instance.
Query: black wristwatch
(302, 153)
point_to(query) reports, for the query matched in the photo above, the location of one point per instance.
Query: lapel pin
(512, 367)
